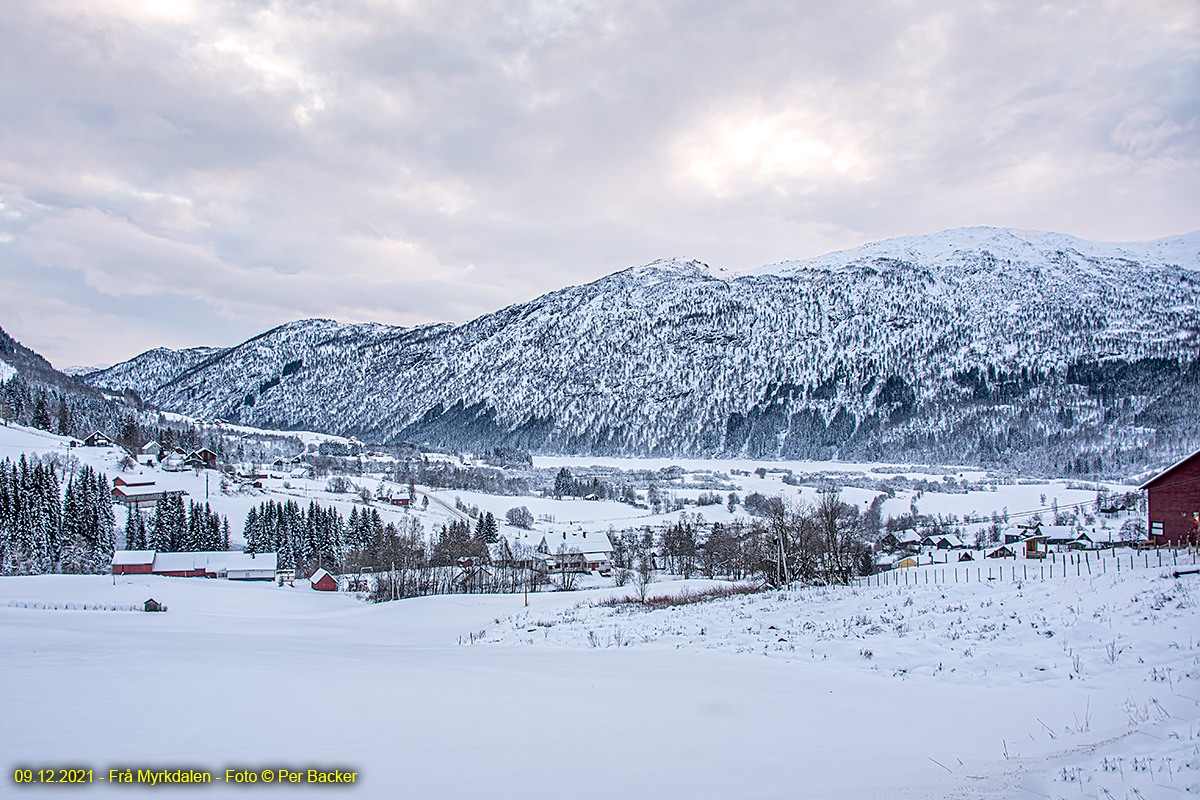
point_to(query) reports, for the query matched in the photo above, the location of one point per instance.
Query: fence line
(1068, 565)
(52, 606)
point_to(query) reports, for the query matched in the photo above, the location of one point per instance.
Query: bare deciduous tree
(643, 576)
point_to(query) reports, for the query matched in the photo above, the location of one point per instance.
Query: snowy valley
(867, 525)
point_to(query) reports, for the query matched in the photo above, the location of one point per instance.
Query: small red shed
(1174, 504)
(322, 581)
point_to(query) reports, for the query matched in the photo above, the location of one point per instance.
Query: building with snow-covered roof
(232, 564)
(180, 565)
(1174, 504)
(949, 541)
(252, 566)
(175, 462)
(207, 458)
(133, 562)
(586, 551)
(137, 480)
(139, 498)
(907, 539)
(1059, 534)
(322, 581)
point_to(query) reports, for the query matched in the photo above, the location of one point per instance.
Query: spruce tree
(178, 522)
(252, 532)
(41, 416)
(102, 538)
(64, 419)
(160, 530)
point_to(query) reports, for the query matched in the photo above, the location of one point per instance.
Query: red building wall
(132, 569)
(1174, 500)
(182, 573)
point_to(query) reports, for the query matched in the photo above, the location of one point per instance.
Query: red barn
(133, 562)
(181, 565)
(1174, 499)
(322, 581)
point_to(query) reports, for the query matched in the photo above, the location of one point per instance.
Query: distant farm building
(1174, 504)
(152, 448)
(181, 565)
(97, 439)
(1035, 547)
(175, 462)
(565, 551)
(132, 497)
(208, 457)
(234, 565)
(121, 480)
(252, 567)
(1058, 535)
(907, 539)
(133, 562)
(322, 581)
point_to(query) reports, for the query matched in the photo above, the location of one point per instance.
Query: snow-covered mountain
(977, 344)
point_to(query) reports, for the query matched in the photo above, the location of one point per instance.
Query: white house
(251, 566)
(175, 462)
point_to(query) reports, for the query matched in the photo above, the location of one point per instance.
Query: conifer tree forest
(46, 527)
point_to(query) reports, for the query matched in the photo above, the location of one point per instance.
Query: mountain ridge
(949, 347)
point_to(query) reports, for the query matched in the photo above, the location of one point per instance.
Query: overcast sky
(179, 172)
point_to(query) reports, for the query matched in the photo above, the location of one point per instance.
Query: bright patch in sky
(769, 150)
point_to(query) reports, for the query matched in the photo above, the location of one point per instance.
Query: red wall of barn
(326, 584)
(1174, 500)
(132, 569)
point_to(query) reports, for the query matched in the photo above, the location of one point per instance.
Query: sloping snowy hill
(971, 345)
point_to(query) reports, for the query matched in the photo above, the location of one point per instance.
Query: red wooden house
(1174, 504)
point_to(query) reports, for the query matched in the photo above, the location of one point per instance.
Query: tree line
(827, 543)
(45, 527)
(174, 528)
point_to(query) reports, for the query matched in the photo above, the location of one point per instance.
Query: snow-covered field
(1076, 687)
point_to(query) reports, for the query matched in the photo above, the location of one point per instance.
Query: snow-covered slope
(969, 345)
(158, 365)
(964, 244)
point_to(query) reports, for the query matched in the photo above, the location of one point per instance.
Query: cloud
(243, 163)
